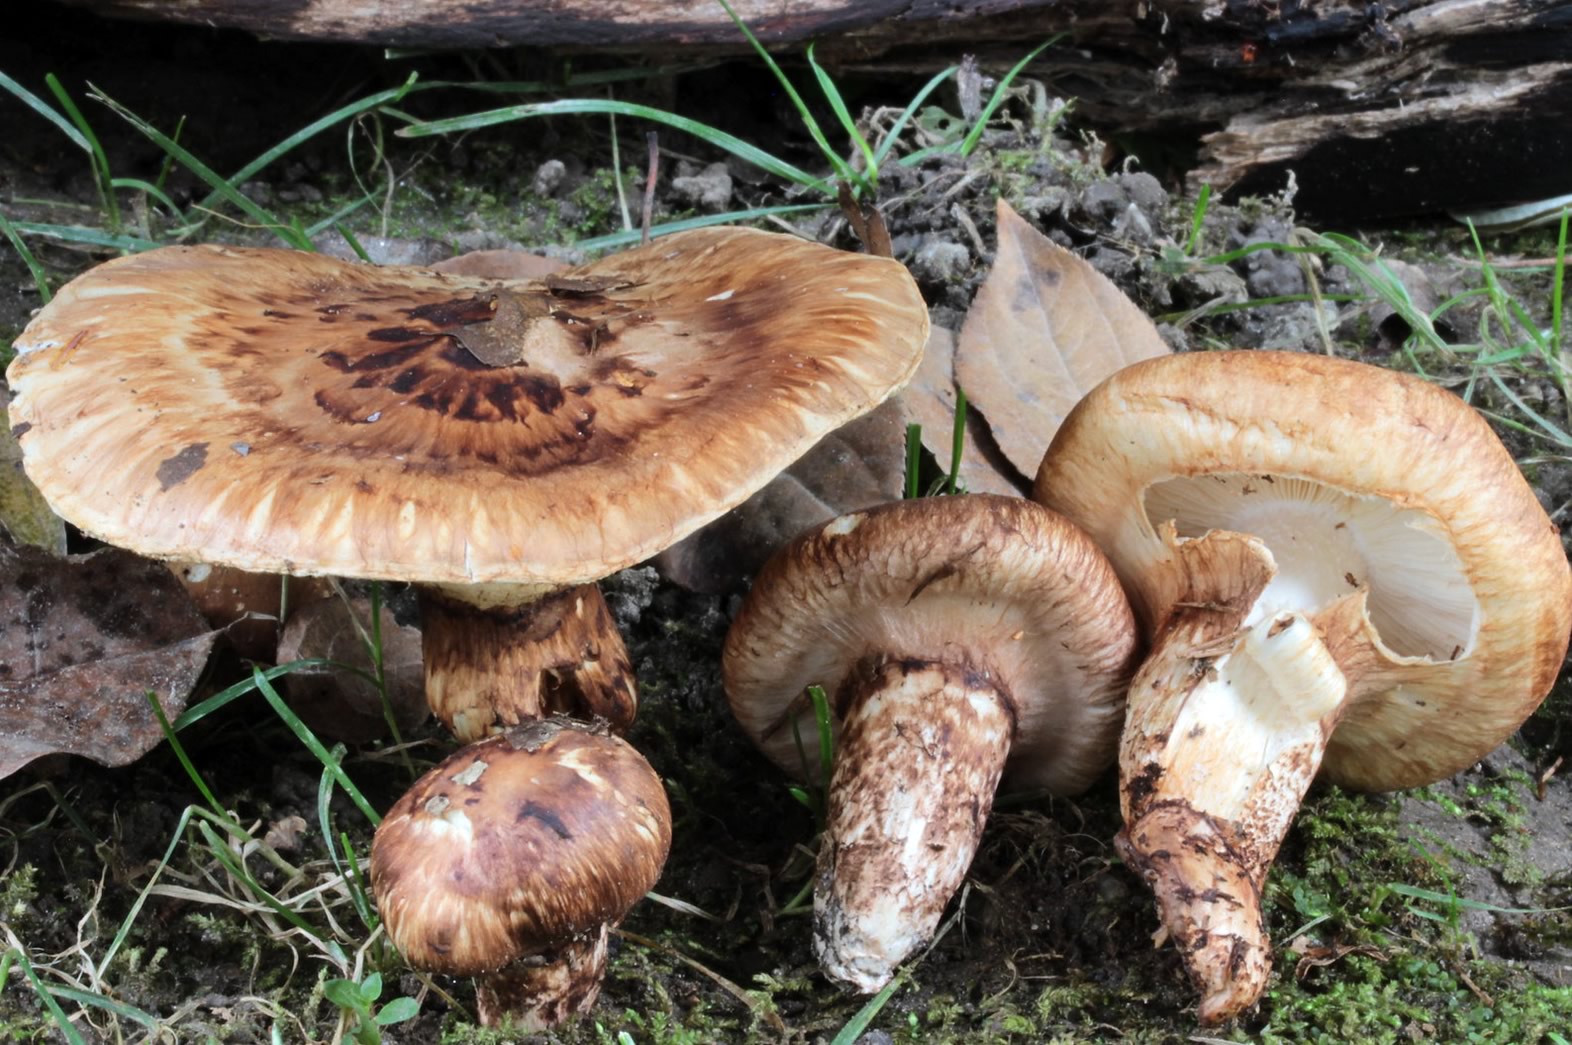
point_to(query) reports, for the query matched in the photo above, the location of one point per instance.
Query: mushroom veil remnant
(504, 444)
(959, 639)
(1342, 571)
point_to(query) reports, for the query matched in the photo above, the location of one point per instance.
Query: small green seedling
(358, 1003)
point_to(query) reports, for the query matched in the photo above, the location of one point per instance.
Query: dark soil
(1436, 915)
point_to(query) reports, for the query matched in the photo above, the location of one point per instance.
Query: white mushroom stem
(545, 990)
(503, 655)
(1226, 728)
(920, 754)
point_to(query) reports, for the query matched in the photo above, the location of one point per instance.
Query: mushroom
(957, 637)
(512, 860)
(1314, 545)
(502, 443)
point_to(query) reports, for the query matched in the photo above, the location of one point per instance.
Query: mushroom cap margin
(1369, 432)
(996, 583)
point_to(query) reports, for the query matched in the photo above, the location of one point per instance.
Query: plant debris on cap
(512, 858)
(1342, 569)
(958, 638)
(283, 411)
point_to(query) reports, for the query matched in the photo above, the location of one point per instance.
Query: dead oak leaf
(83, 640)
(1044, 329)
(930, 400)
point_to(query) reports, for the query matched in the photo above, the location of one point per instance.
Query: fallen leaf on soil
(930, 399)
(245, 606)
(24, 513)
(501, 264)
(856, 466)
(1043, 330)
(83, 640)
(340, 704)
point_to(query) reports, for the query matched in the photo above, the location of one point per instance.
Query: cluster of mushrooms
(1237, 570)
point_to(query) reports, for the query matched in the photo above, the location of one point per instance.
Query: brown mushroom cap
(282, 411)
(516, 844)
(995, 582)
(1464, 579)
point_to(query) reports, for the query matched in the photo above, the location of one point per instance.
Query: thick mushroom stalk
(1226, 727)
(923, 747)
(511, 860)
(501, 655)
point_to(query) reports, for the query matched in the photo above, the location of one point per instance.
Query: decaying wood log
(1379, 108)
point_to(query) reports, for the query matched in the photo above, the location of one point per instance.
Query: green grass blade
(309, 739)
(602, 106)
(180, 754)
(33, 267)
(109, 1005)
(222, 854)
(138, 185)
(803, 112)
(913, 460)
(309, 131)
(337, 217)
(821, 723)
(865, 1016)
(101, 175)
(197, 712)
(996, 99)
(354, 244)
(957, 441)
(911, 110)
(832, 94)
(67, 1029)
(358, 890)
(620, 239)
(221, 187)
(1197, 219)
(1453, 900)
(44, 109)
(87, 236)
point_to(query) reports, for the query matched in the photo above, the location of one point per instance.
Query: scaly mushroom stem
(500, 655)
(1226, 728)
(545, 990)
(916, 766)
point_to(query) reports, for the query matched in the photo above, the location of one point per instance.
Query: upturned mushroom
(503, 443)
(1342, 570)
(512, 860)
(959, 638)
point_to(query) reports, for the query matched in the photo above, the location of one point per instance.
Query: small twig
(867, 224)
(649, 188)
(1544, 778)
(1473, 987)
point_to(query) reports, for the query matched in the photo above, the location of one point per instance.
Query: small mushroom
(958, 638)
(1342, 570)
(503, 443)
(513, 859)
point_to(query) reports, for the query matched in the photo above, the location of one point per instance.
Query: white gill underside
(1328, 543)
(1258, 708)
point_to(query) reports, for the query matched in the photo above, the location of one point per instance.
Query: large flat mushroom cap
(995, 584)
(283, 411)
(1463, 591)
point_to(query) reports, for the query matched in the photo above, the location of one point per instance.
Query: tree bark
(1377, 108)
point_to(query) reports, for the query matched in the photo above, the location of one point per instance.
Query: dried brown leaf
(82, 641)
(930, 400)
(1043, 330)
(857, 466)
(340, 704)
(243, 605)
